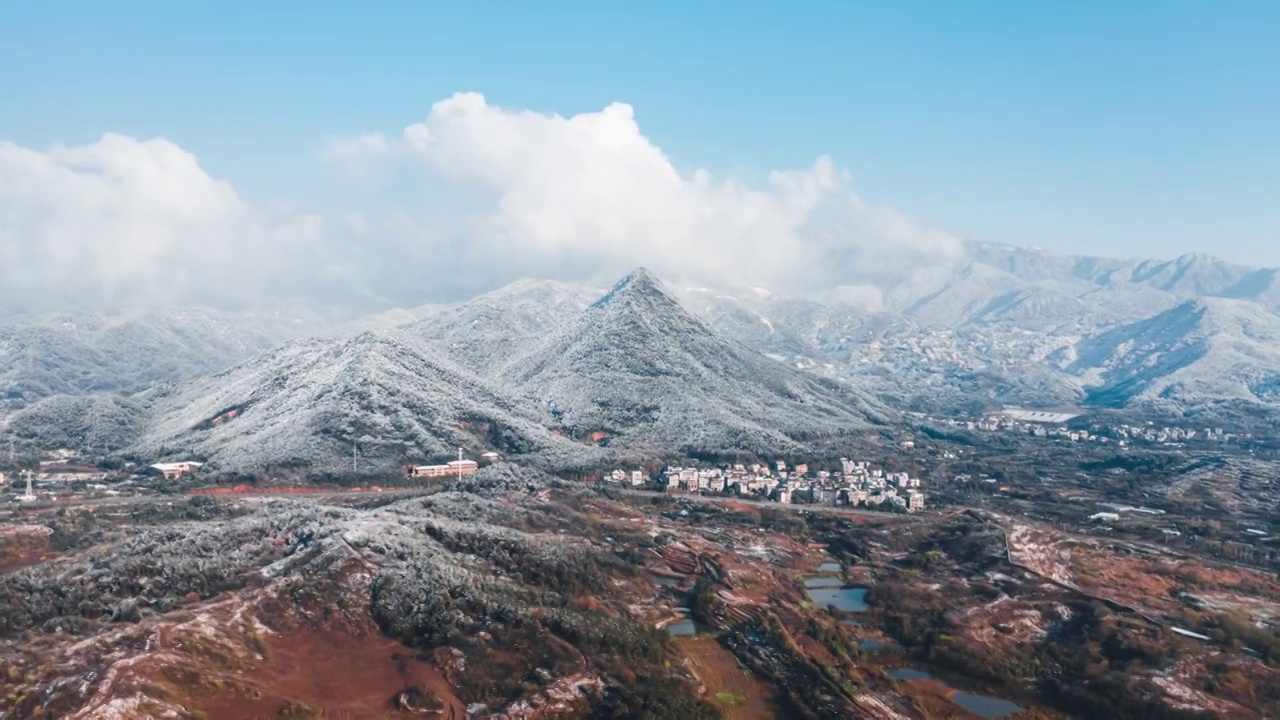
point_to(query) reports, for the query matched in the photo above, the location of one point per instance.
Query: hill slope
(487, 331)
(126, 352)
(637, 368)
(310, 402)
(1199, 354)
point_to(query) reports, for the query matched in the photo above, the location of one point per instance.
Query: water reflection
(683, 627)
(823, 582)
(846, 599)
(987, 707)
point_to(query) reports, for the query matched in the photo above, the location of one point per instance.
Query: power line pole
(355, 456)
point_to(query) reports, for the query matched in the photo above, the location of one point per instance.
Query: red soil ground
(334, 673)
(739, 693)
(22, 545)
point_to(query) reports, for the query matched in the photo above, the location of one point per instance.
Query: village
(1054, 426)
(856, 484)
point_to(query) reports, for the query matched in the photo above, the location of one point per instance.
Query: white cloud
(591, 196)
(122, 220)
(472, 197)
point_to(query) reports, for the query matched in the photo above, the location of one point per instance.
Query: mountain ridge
(384, 396)
(638, 366)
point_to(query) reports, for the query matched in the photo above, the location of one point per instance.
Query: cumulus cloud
(128, 221)
(590, 196)
(471, 197)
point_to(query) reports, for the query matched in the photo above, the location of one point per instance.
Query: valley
(512, 593)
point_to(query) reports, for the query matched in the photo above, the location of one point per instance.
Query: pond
(823, 582)
(829, 567)
(683, 627)
(842, 598)
(987, 707)
(869, 645)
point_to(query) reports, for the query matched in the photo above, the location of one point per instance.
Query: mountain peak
(637, 283)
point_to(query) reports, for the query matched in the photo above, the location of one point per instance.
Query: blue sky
(1136, 128)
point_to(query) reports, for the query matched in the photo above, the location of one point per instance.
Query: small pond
(683, 627)
(829, 567)
(987, 707)
(869, 645)
(823, 582)
(842, 598)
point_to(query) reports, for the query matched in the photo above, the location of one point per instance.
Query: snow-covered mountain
(490, 330)
(312, 403)
(1191, 358)
(127, 352)
(634, 371)
(1186, 276)
(637, 369)
(99, 423)
(1023, 326)
(674, 367)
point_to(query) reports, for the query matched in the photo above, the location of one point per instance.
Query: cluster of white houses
(1050, 425)
(856, 483)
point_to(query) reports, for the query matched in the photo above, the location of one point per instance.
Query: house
(175, 470)
(455, 468)
(915, 502)
(463, 467)
(491, 457)
(419, 471)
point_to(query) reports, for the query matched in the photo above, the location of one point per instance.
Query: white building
(175, 470)
(915, 502)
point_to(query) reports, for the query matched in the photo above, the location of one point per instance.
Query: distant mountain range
(552, 368)
(1192, 336)
(128, 352)
(526, 371)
